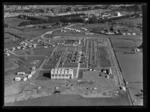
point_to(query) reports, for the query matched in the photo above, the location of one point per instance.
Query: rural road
(50, 32)
(78, 63)
(38, 70)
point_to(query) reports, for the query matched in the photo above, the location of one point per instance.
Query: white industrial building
(17, 78)
(21, 73)
(61, 73)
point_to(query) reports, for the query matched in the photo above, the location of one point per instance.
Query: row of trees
(28, 17)
(135, 8)
(73, 18)
(69, 18)
(60, 10)
(23, 23)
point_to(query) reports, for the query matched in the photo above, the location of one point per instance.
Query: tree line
(68, 18)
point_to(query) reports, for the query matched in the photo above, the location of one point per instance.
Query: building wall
(61, 73)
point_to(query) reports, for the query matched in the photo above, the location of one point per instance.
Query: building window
(59, 75)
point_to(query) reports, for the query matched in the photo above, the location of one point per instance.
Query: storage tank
(25, 79)
(17, 79)
(29, 76)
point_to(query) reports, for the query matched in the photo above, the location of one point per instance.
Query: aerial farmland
(66, 60)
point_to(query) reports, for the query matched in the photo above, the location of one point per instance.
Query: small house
(17, 78)
(21, 73)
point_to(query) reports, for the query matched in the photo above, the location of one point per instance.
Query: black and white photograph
(73, 54)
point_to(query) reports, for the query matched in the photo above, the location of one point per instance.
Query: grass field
(73, 100)
(43, 51)
(27, 34)
(8, 36)
(131, 21)
(11, 44)
(12, 22)
(49, 66)
(131, 64)
(10, 64)
(10, 72)
(10, 39)
(96, 26)
(30, 59)
(46, 82)
(104, 57)
(102, 81)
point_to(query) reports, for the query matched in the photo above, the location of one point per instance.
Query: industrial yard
(94, 58)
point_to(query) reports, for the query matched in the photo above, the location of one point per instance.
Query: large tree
(68, 9)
